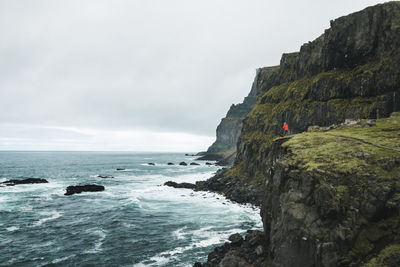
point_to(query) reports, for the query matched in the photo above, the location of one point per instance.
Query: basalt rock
(77, 189)
(105, 176)
(240, 252)
(233, 189)
(183, 163)
(120, 169)
(13, 182)
(180, 185)
(151, 164)
(170, 163)
(194, 164)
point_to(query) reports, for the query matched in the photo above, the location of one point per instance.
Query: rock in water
(77, 189)
(183, 163)
(194, 163)
(104, 176)
(151, 164)
(24, 181)
(180, 185)
(170, 163)
(120, 169)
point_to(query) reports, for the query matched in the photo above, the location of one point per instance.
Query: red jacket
(285, 127)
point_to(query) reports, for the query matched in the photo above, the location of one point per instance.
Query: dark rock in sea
(209, 164)
(194, 163)
(180, 185)
(190, 155)
(151, 164)
(183, 163)
(104, 176)
(24, 181)
(170, 163)
(77, 189)
(120, 169)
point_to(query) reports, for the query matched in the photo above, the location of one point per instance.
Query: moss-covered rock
(332, 198)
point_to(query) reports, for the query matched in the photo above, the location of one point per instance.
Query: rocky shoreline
(235, 190)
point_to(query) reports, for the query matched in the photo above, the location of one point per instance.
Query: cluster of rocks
(234, 190)
(245, 252)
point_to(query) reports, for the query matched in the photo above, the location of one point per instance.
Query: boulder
(194, 163)
(183, 163)
(151, 164)
(120, 169)
(170, 163)
(77, 189)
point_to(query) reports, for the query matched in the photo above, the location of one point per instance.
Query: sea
(136, 221)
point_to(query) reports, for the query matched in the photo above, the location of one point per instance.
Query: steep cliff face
(351, 71)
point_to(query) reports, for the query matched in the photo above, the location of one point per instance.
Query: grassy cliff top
(354, 149)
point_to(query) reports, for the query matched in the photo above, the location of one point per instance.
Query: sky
(140, 75)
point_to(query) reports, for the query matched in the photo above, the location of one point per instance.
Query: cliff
(330, 196)
(351, 71)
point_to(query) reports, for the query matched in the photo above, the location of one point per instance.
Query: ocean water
(135, 222)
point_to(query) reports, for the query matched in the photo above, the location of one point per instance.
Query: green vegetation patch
(373, 151)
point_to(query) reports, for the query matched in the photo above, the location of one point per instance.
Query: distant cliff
(330, 196)
(228, 131)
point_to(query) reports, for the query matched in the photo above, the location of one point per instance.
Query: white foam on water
(99, 242)
(3, 199)
(178, 234)
(12, 228)
(62, 259)
(52, 215)
(155, 261)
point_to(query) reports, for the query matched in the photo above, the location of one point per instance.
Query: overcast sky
(140, 75)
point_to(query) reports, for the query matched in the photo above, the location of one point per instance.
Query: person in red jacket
(285, 128)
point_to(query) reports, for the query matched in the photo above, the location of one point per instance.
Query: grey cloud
(155, 65)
